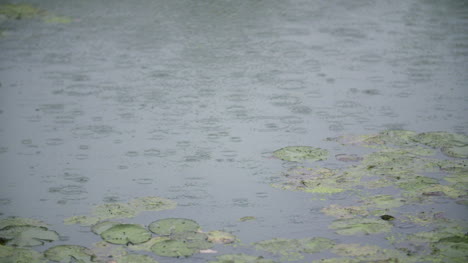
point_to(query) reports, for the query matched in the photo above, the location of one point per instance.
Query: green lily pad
(122, 210)
(170, 226)
(152, 203)
(247, 218)
(292, 249)
(356, 226)
(103, 226)
(69, 254)
(147, 245)
(17, 221)
(173, 248)
(103, 250)
(13, 254)
(442, 139)
(301, 153)
(124, 234)
(221, 237)
(240, 258)
(194, 240)
(136, 258)
(343, 212)
(456, 151)
(27, 236)
(19, 11)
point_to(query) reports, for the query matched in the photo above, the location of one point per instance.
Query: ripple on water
(93, 131)
(284, 100)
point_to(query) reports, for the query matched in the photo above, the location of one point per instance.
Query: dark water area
(187, 100)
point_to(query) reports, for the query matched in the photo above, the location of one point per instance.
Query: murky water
(187, 99)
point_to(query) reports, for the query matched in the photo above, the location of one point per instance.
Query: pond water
(187, 100)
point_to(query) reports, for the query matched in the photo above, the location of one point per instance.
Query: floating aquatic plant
(124, 234)
(301, 153)
(27, 11)
(122, 210)
(103, 226)
(170, 226)
(27, 236)
(14, 254)
(69, 254)
(343, 212)
(174, 248)
(17, 221)
(136, 258)
(240, 258)
(220, 237)
(360, 226)
(247, 218)
(292, 249)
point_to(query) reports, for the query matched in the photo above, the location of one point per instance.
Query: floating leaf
(291, 249)
(17, 221)
(27, 236)
(357, 226)
(126, 234)
(136, 258)
(221, 237)
(456, 151)
(69, 254)
(348, 157)
(152, 203)
(301, 153)
(247, 218)
(345, 211)
(442, 139)
(194, 240)
(19, 11)
(170, 226)
(240, 258)
(16, 255)
(103, 226)
(173, 248)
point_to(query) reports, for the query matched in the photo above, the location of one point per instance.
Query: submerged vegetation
(404, 170)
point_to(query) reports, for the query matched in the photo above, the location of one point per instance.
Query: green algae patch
(360, 226)
(69, 253)
(136, 258)
(292, 249)
(343, 212)
(124, 234)
(13, 254)
(301, 153)
(122, 210)
(220, 237)
(240, 258)
(171, 226)
(27, 236)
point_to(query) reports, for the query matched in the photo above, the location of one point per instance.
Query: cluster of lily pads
(12, 11)
(418, 168)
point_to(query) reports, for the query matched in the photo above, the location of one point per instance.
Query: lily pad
(13, 254)
(442, 139)
(136, 258)
(27, 236)
(103, 226)
(173, 248)
(221, 237)
(126, 234)
(69, 254)
(292, 249)
(152, 203)
(240, 258)
(194, 240)
(17, 221)
(170, 226)
(19, 11)
(356, 226)
(342, 212)
(301, 153)
(456, 151)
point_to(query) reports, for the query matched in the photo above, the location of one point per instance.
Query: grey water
(187, 99)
